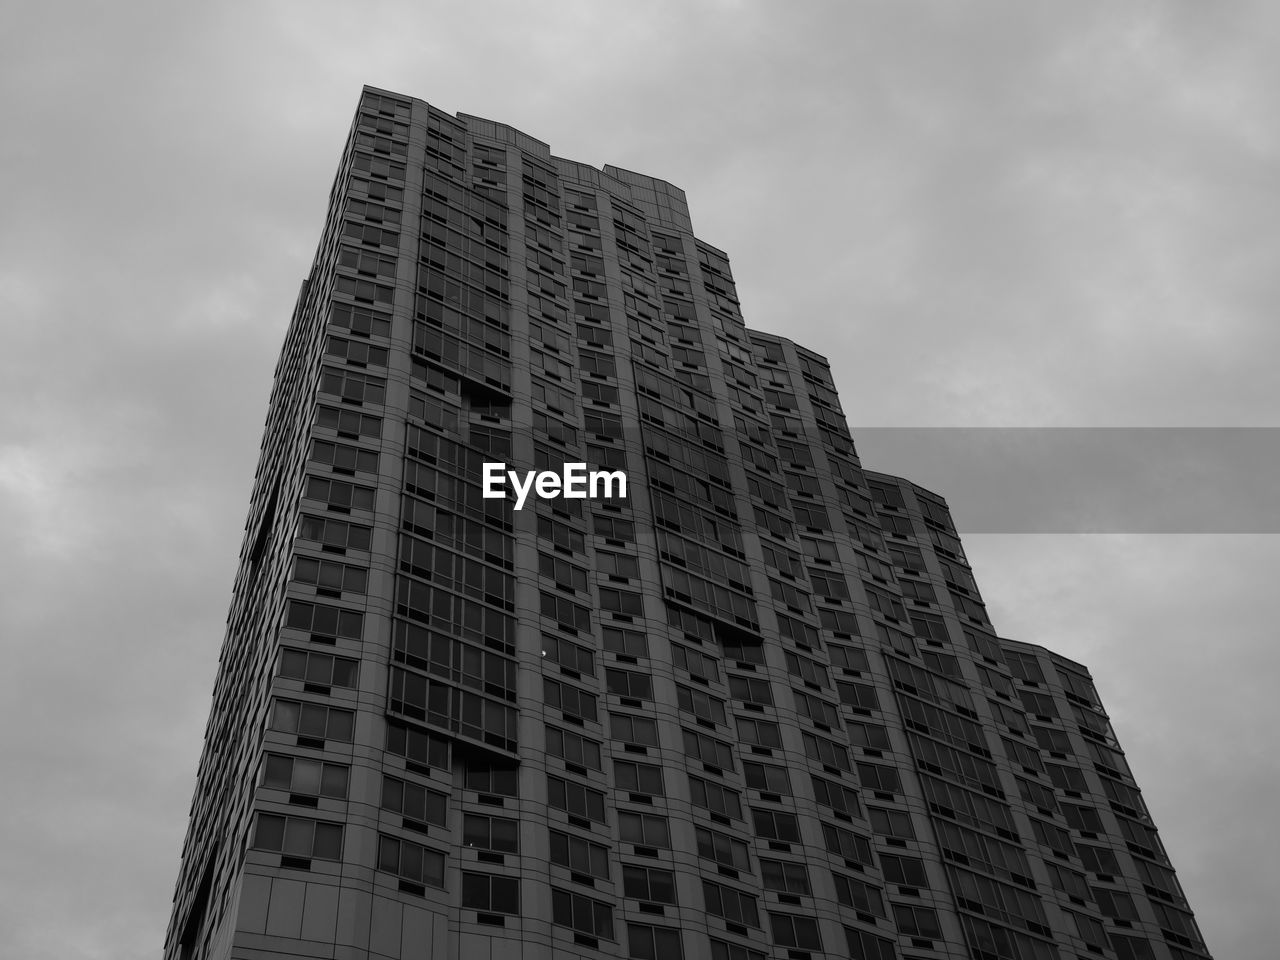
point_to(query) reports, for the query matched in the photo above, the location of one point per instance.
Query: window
(827, 752)
(298, 837)
(828, 586)
(335, 533)
(701, 704)
(582, 914)
(318, 668)
(719, 800)
(561, 535)
(917, 921)
(876, 776)
(847, 844)
(417, 747)
(571, 656)
(570, 700)
(1098, 859)
(617, 565)
(360, 322)
(753, 690)
(849, 658)
(490, 894)
(313, 720)
(1082, 818)
(571, 616)
(490, 833)
(575, 799)
(810, 671)
(709, 750)
(776, 825)
(1038, 704)
(653, 943)
(613, 528)
(891, 823)
(502, 781)
(860, 696)
(743, 651)
(816, 709)
(629, 683)
(723, 849)
(785, 877)
(1115, 903)
(694, 663)
(1068, 778)
(767, 778)
(869, 736)
(349, 423)
(733, 951)
(649, 884)
(627, 643)
(1069, 882)
(352, 386)
(870, 947)
(798, 932)
(325, 621)
(562, 572)
(904, 871)
(644, 778)
(863, 897)
(929, 627)
(841, 799)
(411, 861)
(344, 458)
(330, 575)
(414, 802)
(633, 730)
(579, 855)
(758, 733)
(310, 778)
(621, 601)
(733, 905)
(644, 829)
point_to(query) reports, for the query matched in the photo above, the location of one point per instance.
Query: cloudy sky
(1018, 214)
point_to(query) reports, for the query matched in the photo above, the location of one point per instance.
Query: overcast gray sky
(985, 214)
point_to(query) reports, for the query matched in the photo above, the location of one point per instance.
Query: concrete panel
(354, 908)
(384, 933)
(255, 897)
(284, 918)
(320, 913)
(415, 933)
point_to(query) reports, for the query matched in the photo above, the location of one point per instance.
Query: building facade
(753, 709)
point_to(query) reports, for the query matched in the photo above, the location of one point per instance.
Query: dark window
(735, 906)
(490, 894)
(298, 837)
(414, 801)
(644, 829)
(649, 884)
(653, 943)
(311, 778)
(579, 855)
(412, 861)
(582, 914)
(798, 932)
(785, 877)
(491, 833)
(319, 668)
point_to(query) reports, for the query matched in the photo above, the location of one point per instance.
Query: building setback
(753, 709)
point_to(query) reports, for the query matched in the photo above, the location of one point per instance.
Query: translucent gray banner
(1088, 479)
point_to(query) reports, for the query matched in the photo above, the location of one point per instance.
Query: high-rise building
(752, 708)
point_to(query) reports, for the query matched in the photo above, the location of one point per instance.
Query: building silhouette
(753, 709)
